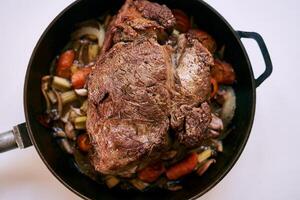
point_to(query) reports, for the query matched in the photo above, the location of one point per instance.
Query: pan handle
(17, 137)
(265, 53)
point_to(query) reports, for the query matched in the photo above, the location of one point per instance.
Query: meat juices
(140, 90)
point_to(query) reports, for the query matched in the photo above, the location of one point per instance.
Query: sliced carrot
(64, 63)
(215, 87)
(78, 79)
(183, 23)
(183, 168)
(151, 173)
(83, 142)
(223, 72)
(206, 39)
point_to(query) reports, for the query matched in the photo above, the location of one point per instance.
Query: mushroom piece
(69, 130)
(203, 168)
(45, 87)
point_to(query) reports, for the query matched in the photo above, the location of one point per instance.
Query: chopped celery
(61, 84)
(84, 106)
(111, 181)
(93, 50)
(140, 185)
(80, 122)
(68, 97)
(204, 155)
(52, 96)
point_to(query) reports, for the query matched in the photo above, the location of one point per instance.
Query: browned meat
(193, 61)
(135, 18)
(207, 40)
(140, 90)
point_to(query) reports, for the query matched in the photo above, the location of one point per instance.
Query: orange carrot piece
(223, 72)
(183, 168)
(215, 87)
(64, 63)
(206, 39)
(78, 79)
(83, 142)
(183, 23)
(151, 173)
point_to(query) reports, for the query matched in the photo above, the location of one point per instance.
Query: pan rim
(220, 176)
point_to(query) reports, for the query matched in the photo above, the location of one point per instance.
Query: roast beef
(145, 96)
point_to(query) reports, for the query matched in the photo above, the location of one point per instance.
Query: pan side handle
(15, 138)
(263, 48)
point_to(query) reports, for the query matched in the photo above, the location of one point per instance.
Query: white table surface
(269, 167)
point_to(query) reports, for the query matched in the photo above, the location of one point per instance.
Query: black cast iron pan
(61, 164)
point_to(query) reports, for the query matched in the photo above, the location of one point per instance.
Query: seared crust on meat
(140, 90)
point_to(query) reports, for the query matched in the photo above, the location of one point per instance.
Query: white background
(269, 167)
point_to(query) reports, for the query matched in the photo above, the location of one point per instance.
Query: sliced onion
(203, 168)
(101, 35)
(66, 145)
(81, 92)
(85, 30)
(229, 106)
(89, 30)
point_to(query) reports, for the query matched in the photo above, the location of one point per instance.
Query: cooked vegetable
(173, 186)
(150, 173)
(68, 97)
(84, 106)
(183, 168)
(111, 181)
(223, 72)
(182, 20)
(204, 155)
(83, 54)
(44, 88)
(138, 184)
(203, 168)
(214, 86)
(74, 68)
(81, 92)
(206, 40)
(229, 105)
(96, 31)
(58, 132)
(69, 130)
(218, 145)
(79, 78)
(64, 63)
(83, 142)
(66, 146)
(65, 117)
(93, 51)
(61, 84)
(52, 96)
(80, 122)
